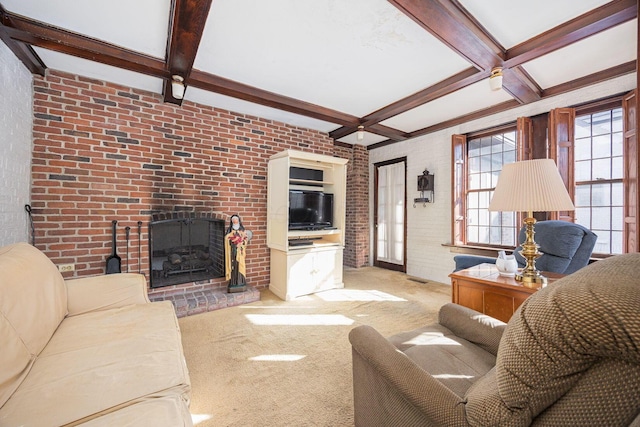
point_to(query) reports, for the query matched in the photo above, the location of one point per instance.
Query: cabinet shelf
(304, 233)
(314, 245)
(309, 182)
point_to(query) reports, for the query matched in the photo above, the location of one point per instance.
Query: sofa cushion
(566, 339)
(100, 362)
(15, 360)
(33, 303)
(454, 361)
(168, 411)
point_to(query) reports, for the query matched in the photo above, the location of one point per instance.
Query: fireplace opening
(186, 250)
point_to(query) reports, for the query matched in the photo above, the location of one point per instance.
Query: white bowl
(507, 266)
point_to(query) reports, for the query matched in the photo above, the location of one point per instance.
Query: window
(598, 171)
(485, 157)
(593, 146)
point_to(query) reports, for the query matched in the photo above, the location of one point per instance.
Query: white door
(390, 215)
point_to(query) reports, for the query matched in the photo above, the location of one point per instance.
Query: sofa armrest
(473, 326)
(390, 389)
(94, 293)
(466, 261)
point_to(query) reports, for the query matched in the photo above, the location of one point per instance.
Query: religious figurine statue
(235, 245)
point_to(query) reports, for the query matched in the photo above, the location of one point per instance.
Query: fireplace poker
(139, 245)
(126, 230)
(33, 230)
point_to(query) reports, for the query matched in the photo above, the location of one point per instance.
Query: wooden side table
(483, 289)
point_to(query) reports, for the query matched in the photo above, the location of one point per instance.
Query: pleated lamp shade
(530, 186)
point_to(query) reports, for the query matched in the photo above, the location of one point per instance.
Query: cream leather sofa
(91, 351)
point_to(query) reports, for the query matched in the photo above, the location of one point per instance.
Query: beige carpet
(277, 363)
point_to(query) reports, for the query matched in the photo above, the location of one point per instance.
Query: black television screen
(310, 210)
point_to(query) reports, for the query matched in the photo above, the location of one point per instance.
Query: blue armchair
(566, 247)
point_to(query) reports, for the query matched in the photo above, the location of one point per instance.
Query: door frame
(382, 264)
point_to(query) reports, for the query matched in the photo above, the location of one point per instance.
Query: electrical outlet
(63, 268)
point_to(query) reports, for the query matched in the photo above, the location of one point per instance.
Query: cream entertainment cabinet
(306, 251)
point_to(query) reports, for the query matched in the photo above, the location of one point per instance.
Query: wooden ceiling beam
(504, 106)
(446, 20)
(377, 128)
(431, 14)
(580, 83)
(36, 33)
(23, 52)
(591, 79)
(454, 122)
(248, 93)
(579, 28)
(445, 87)
(459, 34)
(49, 37)
(519, 84)
(188, 18)
(391, 133)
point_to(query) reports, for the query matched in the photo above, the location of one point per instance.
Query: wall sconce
(495, 79)
(177, 86)
(426, 185)
(360, 133)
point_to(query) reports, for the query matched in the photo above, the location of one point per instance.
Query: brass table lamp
(530, 186)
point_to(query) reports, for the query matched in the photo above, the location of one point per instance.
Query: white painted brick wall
(16, 123)
(429, 227)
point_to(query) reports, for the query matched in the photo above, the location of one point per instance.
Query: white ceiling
(594, 54)
(513, 22)
(353, 56)
(324, 52)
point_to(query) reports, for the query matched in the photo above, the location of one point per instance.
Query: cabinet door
(325, 268)
(469, 295)
(313, 271)
(278, 204)
(302, 276)
(498, 305)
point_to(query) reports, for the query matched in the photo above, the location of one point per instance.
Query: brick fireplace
(104, 152)
(186, 247)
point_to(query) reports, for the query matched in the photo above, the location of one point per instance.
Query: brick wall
(356, 253)
(105, 152)
(15, 146)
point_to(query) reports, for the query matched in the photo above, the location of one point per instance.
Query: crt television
(310, 210)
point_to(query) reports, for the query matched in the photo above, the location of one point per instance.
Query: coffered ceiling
(400, 68)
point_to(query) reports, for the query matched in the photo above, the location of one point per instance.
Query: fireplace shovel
(113, 262)
(139, 246)
(126, 230)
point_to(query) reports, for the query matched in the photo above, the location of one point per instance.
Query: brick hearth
(200, 301)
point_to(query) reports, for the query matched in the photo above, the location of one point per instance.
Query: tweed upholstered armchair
(569, 356)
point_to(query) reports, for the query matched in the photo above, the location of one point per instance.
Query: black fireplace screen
(186, 250)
